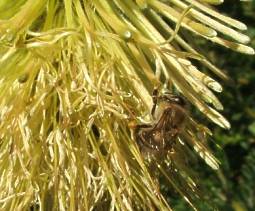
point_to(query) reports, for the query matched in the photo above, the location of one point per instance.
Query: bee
(169, 114)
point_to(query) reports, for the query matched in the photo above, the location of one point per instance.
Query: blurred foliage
(233, 187)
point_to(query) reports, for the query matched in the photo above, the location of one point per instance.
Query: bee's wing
(164, 119)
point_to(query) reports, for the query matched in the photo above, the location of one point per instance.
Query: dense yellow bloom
(75, 73)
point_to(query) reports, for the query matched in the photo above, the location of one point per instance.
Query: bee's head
(176, 99)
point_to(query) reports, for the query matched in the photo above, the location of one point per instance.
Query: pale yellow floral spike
(232, 22)
(91, 92)
(213, 1)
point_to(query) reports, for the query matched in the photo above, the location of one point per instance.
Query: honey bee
(169, 112)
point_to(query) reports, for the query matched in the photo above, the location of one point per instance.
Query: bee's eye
(179, 100)
(171, 98)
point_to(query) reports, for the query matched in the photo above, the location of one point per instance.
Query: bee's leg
(142, 126)
(155, 101)
(145, 139)
(137, 131)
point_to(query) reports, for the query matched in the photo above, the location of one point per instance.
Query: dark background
(233, 187)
